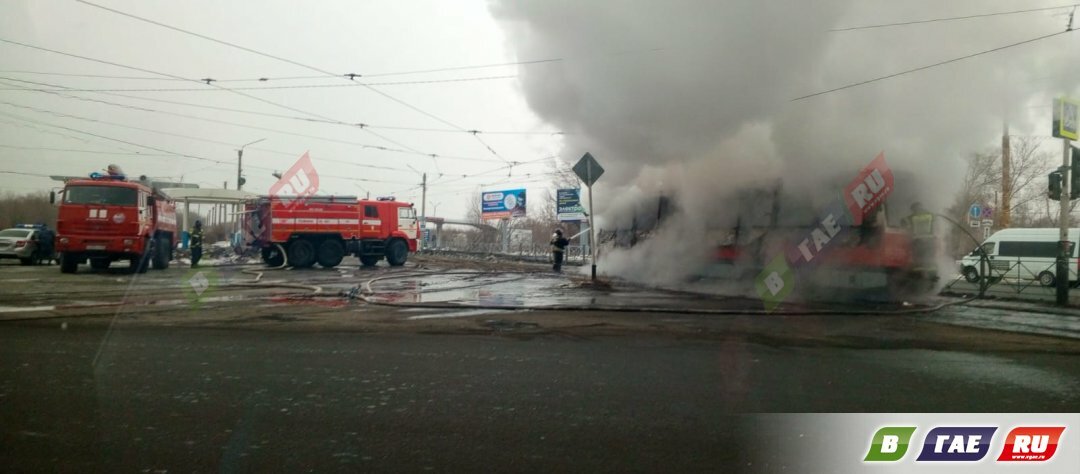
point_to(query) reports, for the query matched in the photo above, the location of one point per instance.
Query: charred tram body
(878, 259)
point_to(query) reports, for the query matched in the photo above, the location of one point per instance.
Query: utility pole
(1064, 251)
(239, 168)
(240, 163)
(423, 208)
(221, 207)
(1006, 179)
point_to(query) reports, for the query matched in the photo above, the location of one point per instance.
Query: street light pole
(423, 203)
(423, 208)
(240, 163)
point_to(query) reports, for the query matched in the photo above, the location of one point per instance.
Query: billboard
(1065, 119)
(502, 204)
(568, 205)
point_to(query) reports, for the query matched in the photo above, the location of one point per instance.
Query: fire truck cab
(323, 229)
(105, 218)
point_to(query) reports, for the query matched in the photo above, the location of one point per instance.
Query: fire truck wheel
(68, 263)
(397, 252)
(161, 254)
(330, 253)
(302, 253)
(369, 260)
(99, 263)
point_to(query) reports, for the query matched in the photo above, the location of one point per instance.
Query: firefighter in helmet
(196, 243)
(558, 247)
(921, 226)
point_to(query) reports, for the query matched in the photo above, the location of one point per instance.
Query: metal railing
(1005, 276)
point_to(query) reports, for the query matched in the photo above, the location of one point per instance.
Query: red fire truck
(323, 229)
(106, 218)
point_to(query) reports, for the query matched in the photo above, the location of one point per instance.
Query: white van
(1021, 254)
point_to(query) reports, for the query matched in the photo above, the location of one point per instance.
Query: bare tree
(1029, 165)
(473, 205)
(982, 182)
(26, 209)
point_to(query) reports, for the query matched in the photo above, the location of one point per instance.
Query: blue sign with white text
(568, 205)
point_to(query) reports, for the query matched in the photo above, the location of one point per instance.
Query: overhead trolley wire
(953, 18)
(189, 137)
(350, 77)
(185, 155)
(928, 66)
(242, 94)
(252, 127)
(297, 86)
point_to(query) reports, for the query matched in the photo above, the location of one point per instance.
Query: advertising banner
(568, 205)
(502, 204)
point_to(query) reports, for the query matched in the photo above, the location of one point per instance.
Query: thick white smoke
(693, 100)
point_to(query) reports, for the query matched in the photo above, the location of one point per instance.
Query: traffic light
(243, 180)
(1074, 166)
(1055, 185)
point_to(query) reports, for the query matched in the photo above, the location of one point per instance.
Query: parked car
(1022, 254)
(20, 243)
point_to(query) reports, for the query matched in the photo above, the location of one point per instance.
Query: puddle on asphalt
(509, 291)
(984, 369)
(458, 314)
(1012, 321)
(25, 309)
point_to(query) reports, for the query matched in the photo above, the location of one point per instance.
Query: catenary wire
(253, 127)
(242, 94)
(953, 18)
(297, 86)
(928, 66)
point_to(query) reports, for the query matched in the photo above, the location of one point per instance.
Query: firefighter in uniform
(558, 246)
(196, 243)
(921, 226)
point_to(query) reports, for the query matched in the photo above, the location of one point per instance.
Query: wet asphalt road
(106, 371)
(186, 399)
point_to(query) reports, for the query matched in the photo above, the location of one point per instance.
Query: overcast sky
(687, 92)
(367, 38)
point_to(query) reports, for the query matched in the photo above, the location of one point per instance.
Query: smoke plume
(693, 100)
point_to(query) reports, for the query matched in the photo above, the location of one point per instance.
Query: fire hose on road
(366, 293)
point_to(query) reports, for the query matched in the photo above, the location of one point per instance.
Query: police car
(22, 242)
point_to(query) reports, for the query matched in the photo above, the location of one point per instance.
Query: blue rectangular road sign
(569, 205)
